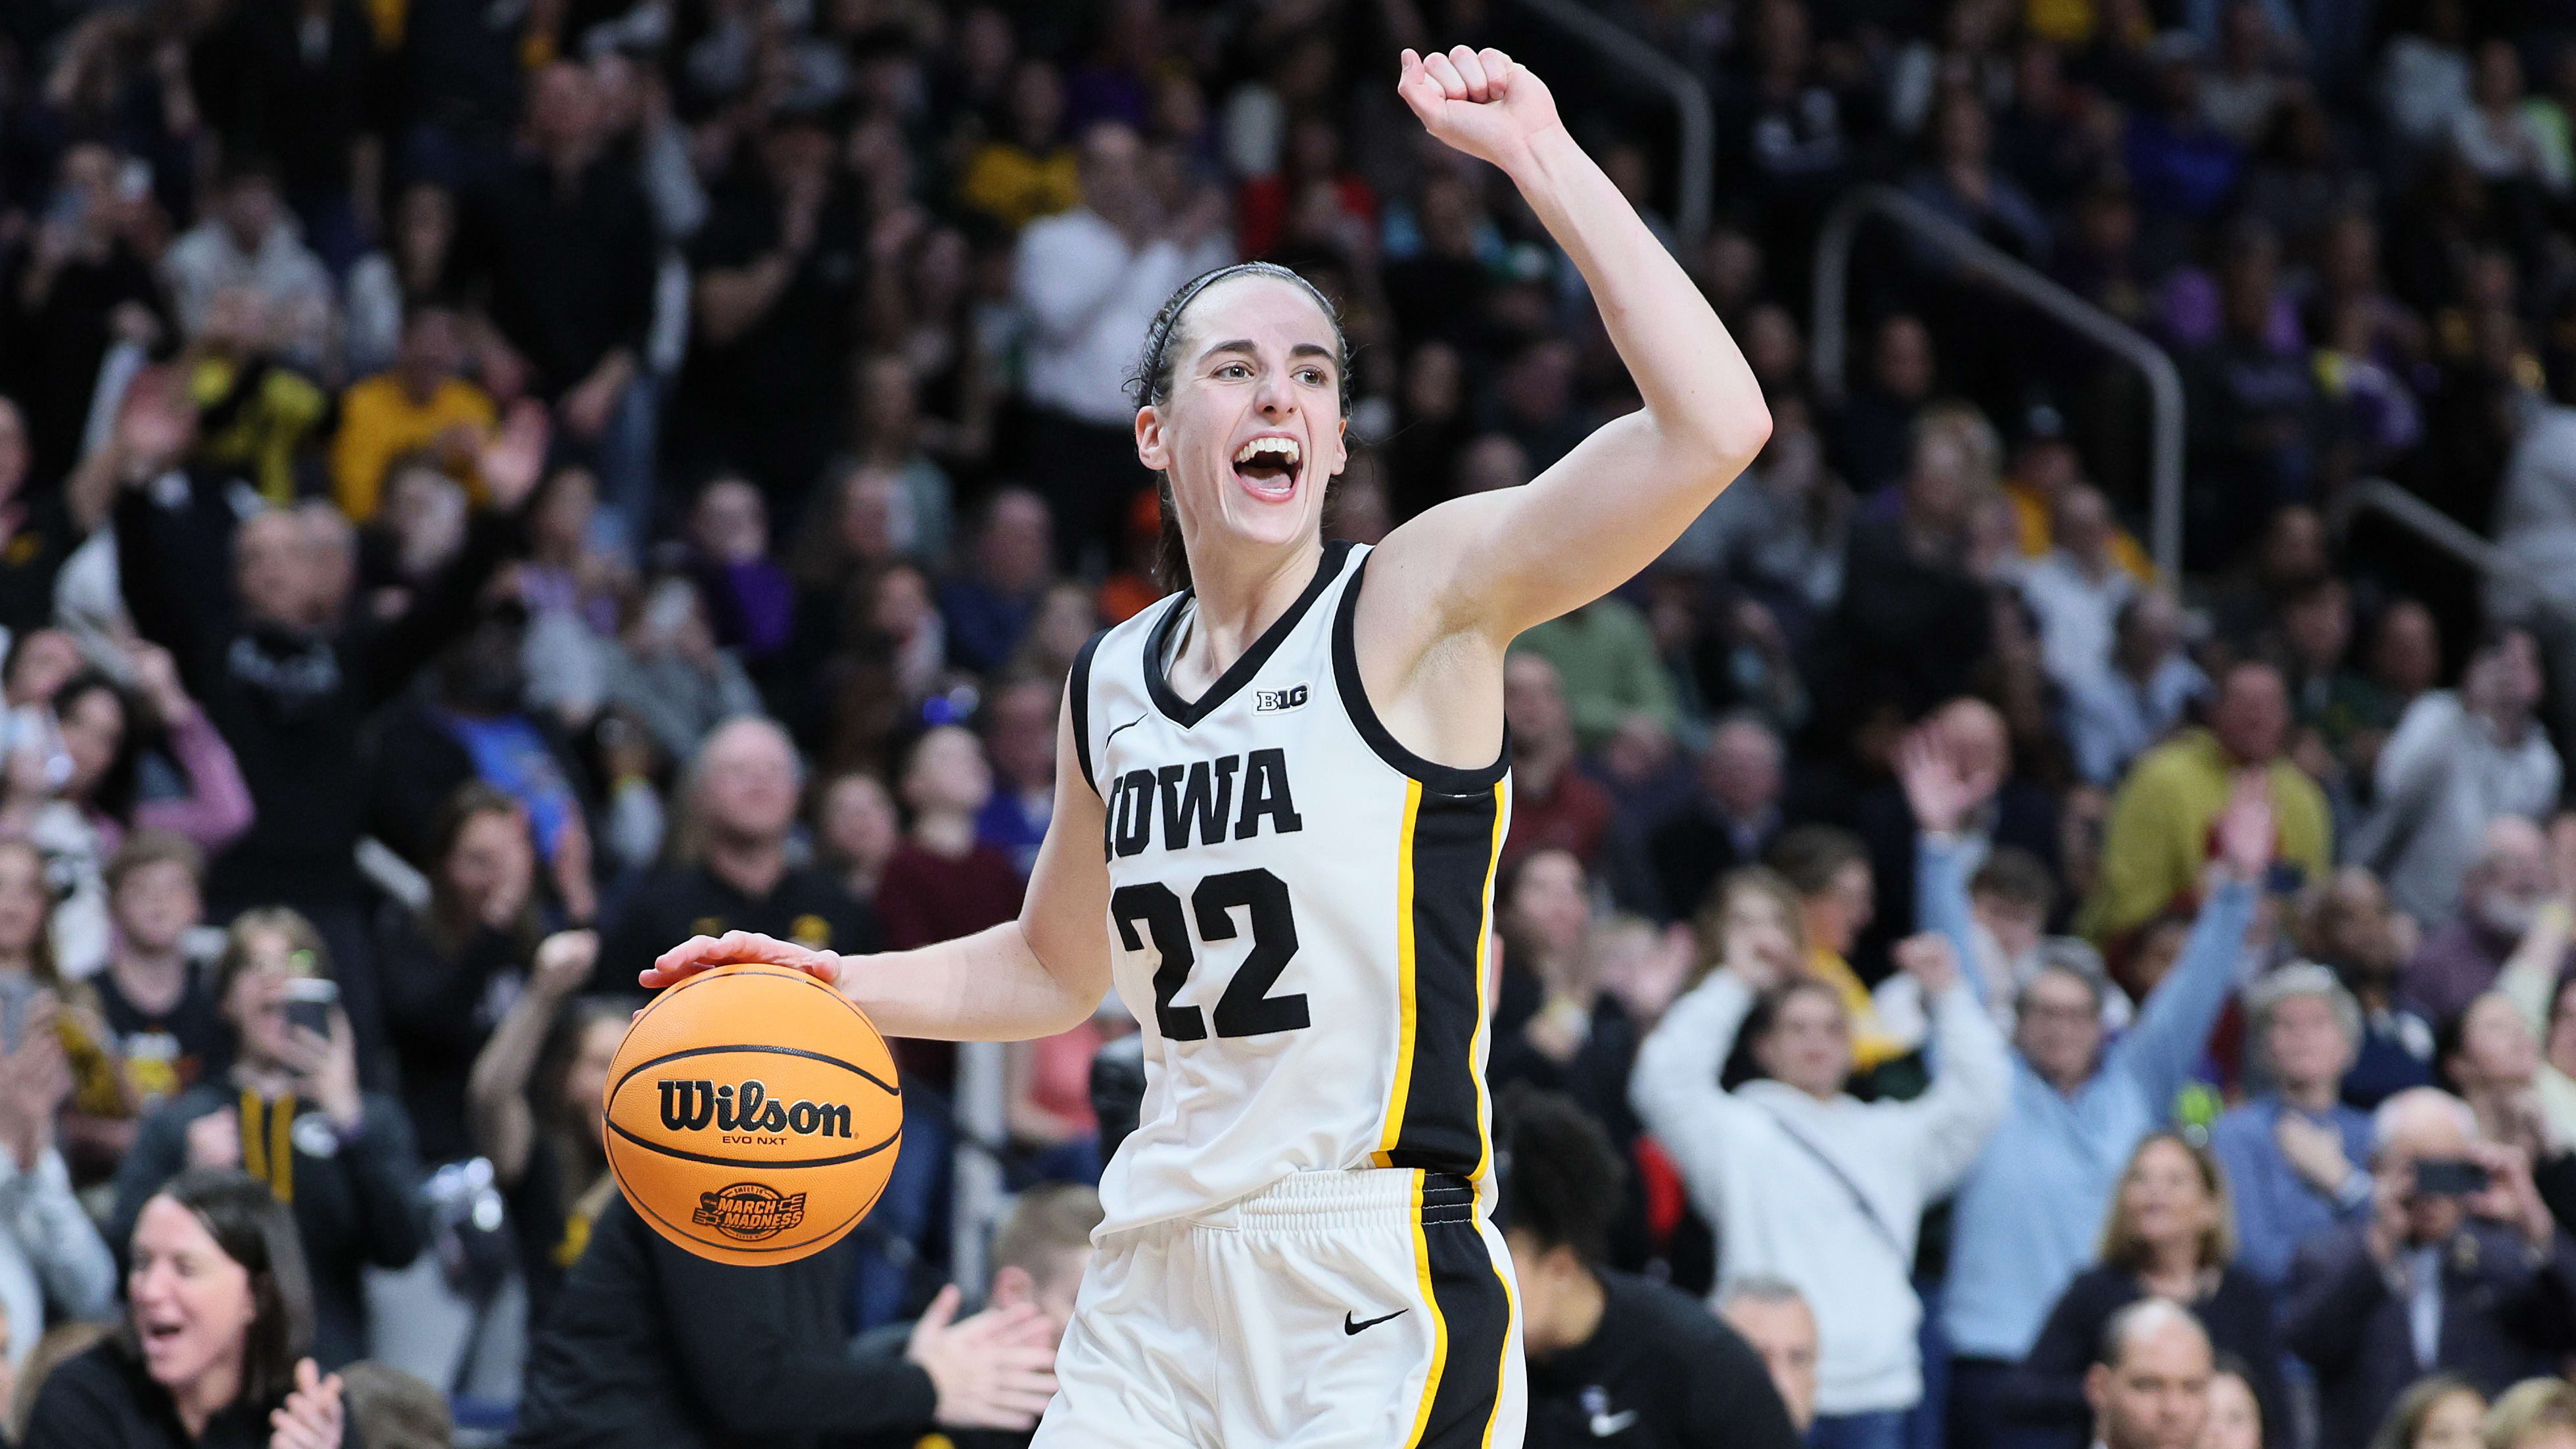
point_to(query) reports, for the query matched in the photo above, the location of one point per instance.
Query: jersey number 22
(1246, 1008)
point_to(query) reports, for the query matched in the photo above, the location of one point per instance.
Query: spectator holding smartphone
(2458, 1269)
(291, 1114)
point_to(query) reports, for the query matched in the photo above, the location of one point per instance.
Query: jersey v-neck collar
(1187, 713)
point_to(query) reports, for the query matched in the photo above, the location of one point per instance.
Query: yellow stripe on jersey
(1402, 1090)
(1477, 1047)
(1422, 1271)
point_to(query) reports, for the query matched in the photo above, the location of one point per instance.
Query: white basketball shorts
(1366, 1309)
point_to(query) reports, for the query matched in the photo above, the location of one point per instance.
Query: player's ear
(1150, 448)
(1012, 1286)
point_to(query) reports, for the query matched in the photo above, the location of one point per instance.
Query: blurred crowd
(488, 490)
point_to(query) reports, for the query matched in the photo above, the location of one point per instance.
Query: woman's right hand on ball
(703, 953)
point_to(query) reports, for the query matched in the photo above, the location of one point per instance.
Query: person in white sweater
(1806, 1184)
(2456, 761)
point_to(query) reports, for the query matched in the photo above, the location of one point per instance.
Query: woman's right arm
(1675, 1085)
(497, 1109)
(1039, 975)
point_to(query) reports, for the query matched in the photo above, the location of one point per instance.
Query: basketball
(753, 1114)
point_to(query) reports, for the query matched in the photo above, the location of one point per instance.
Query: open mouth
(161, 1334)
(1270, 466)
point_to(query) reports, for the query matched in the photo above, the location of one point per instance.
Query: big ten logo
(1272, 701)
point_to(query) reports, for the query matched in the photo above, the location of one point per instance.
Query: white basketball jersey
(1299, 912)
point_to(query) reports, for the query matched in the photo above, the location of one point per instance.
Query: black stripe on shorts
(1475, 1314)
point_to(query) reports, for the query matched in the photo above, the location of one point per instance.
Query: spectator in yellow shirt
(1030, 173)
(2045, 467)
(422, 402)
(1828, 869)
(2158, 836)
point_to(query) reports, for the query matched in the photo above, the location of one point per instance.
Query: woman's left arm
(217, 809)
(1500, 562)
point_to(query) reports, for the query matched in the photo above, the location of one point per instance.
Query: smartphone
(310, 1000)
(2450, 1177)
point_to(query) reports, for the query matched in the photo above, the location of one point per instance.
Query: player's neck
(1234, 597)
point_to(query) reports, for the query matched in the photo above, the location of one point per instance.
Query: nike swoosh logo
(1349, 1327)
(1605, 1425)
(1113, 734)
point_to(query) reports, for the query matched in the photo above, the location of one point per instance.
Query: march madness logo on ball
(749, 1211)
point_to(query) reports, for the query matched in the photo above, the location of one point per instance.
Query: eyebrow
(1246, 346)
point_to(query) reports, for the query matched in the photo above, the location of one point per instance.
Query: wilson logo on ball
(692, 1106)
(749, 1211)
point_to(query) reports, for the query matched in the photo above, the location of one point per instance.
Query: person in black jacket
(450, 971)
(212, 1353)
(731, 870)
(290, 1113)
(561, 243)
(473, 724)
(651, 1344)
(2167, 1237)
(247, 603)
(1612, 1355)
(2482, 1248)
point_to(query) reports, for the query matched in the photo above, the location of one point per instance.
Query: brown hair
(1150, 382)
(2528, 1408)
(391, 1409)
(1808, 857)
(1770, 1004)
(154, 847)
(2406, 1418)
(285, 921)
(1047, 1220)
(2014, 874)
(468, 803)
(1708, 924)
(41, 953)
(253, 1229)
(2121, 1245)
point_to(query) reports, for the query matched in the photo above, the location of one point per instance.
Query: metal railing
(1620, 47)
(1992, 265)
(2445, 534)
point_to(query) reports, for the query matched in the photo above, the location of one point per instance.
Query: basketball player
(1280, 795)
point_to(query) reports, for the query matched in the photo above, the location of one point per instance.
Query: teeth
(1286, 448)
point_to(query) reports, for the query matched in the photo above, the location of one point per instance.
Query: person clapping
(213, 1350)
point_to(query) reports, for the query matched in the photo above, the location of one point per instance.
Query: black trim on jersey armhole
(1078, 693)
(1158, 641)
(1443, 779)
